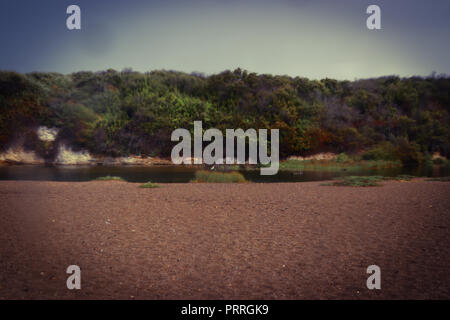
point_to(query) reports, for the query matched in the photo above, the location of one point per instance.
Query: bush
(110, 178)
(342, 157)
(428, 160)
(382, 151)
(409, 153)
(405, 151)
(218, 177)
(149, 185)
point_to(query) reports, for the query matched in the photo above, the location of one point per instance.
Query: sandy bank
(214, 241)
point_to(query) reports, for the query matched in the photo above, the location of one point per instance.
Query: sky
(308, 38)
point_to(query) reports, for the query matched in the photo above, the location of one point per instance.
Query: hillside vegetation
(122, 113)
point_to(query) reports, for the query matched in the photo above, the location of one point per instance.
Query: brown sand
(224, 241)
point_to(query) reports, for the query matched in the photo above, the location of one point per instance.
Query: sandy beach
(224, 241)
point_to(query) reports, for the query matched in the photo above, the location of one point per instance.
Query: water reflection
(185, 174)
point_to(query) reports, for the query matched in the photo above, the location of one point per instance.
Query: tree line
(118, 113)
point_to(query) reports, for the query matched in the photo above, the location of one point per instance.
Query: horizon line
(432, 75)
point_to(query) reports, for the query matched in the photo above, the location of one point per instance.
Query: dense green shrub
(218, 177)
(382, 151)
(409, 153)
(342, 157)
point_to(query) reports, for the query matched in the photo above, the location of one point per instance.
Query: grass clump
(341, 163)
(402, 177)
(218, 177)
(366, 181)
(149, 185)
(110, 178)
(358, 181)
(441, 179)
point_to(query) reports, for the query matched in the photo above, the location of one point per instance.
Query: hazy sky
(310, 38)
